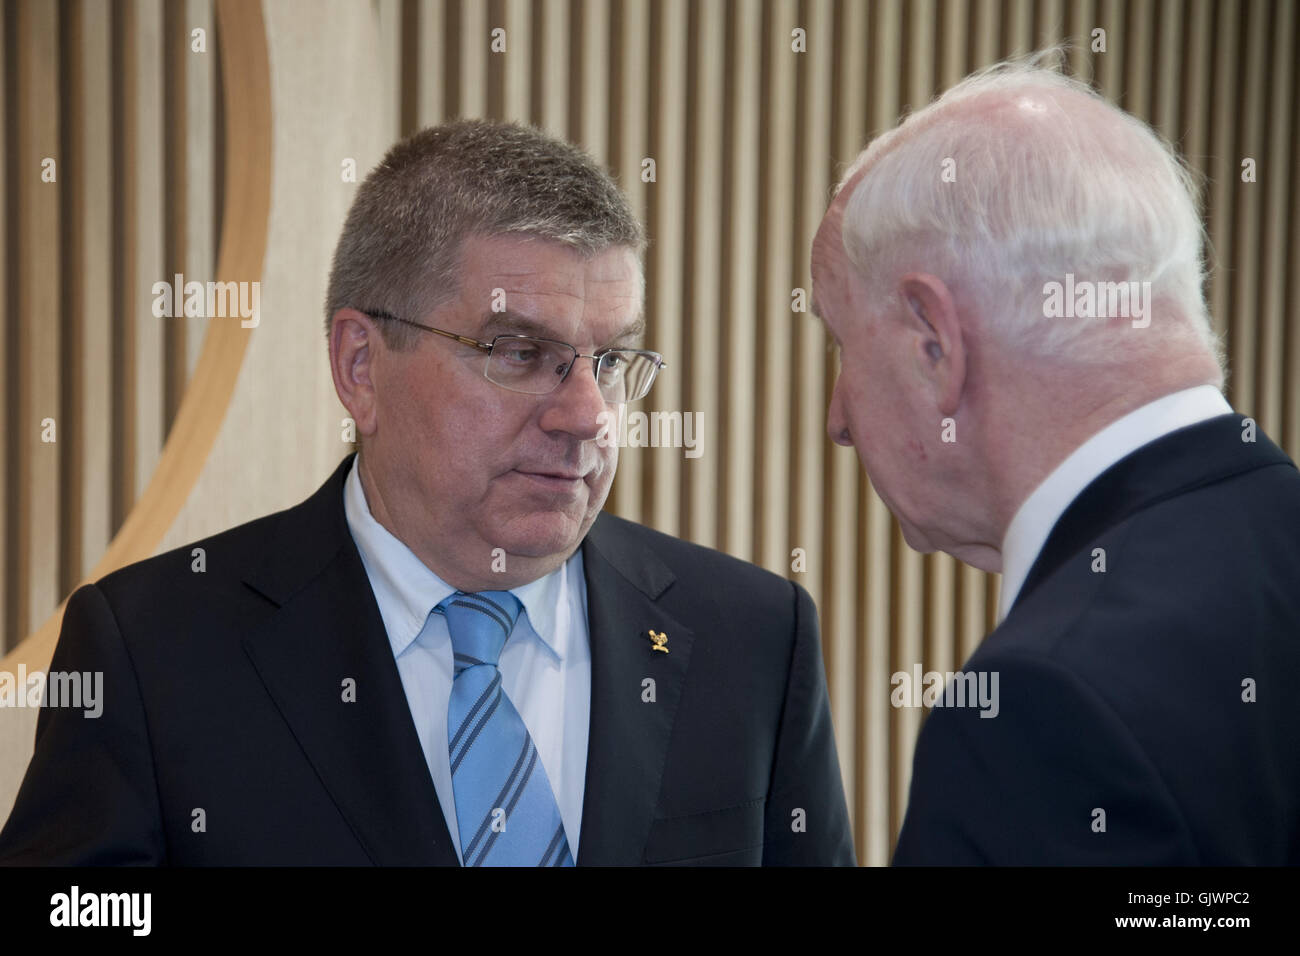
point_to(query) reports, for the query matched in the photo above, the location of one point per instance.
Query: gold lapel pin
(660, 641)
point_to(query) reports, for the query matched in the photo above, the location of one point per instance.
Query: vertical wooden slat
(663, 504)
(92, 209)
(702, 349)
(176, 108)
(553, 67)
(808, 359)
(389, 64)
(774, 332)
(847, 651)
(199, 75)
(807, 463)
(474, 50)
(517, 60)
(740, 255)
(37, 369)
(147, 171)
(1167, 46)
(1276, 173)
(1137, 76)
(432, 26)
(1245, 213)
(629, 61)
(592, 114)
(8, 470)
(1290, 432)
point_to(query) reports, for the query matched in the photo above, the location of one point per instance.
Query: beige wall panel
(93, 131)
(148, 212)
(37, 366)
(281, 436)
(200, 141)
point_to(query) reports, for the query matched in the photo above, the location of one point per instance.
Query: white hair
(1015, 177)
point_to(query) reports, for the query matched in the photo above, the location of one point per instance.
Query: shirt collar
(407, 591)
(1033, 522)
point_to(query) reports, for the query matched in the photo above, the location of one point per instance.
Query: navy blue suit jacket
(1148, 712)
(223, 693)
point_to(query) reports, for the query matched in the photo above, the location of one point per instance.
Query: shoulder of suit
(232, 549)
(694, 563)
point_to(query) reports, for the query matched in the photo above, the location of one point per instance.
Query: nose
(576, 404)
(836, 425)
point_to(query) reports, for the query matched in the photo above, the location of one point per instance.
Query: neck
(502, 572)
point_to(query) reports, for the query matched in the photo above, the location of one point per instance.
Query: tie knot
(479, 624)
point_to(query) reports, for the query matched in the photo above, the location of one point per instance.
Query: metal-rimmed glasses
(537, 366)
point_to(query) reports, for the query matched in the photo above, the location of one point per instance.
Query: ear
(928, 305)
(355, 344)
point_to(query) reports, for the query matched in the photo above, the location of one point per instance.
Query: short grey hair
(1050, 179)
(400, 251)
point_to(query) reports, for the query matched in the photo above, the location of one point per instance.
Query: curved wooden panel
(246, 90)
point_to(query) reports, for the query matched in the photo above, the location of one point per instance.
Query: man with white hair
(1013, 276)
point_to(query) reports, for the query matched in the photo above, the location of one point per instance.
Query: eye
(518, 353)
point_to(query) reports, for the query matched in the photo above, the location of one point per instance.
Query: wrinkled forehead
(554, 291)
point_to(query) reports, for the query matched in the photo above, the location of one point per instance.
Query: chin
(541, 535)
(915, 538)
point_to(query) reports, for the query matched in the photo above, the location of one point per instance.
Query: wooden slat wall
(748, 137)
(112, 93)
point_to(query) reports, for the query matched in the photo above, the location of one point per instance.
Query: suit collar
(327, 629)
(1176, 464)
(325, 659)
(634, 691)
(1033, 521)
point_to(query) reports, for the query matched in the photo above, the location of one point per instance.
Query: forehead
(549, 273)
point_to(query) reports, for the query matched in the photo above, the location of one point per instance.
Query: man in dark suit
(1031, 382)
(448, 654)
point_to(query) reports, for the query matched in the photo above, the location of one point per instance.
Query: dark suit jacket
(223, 693)
(1123, 691)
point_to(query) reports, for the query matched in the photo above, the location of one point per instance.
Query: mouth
(563, 481)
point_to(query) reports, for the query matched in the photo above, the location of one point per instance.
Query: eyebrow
(512, 323)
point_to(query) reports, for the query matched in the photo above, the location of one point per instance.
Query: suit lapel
(629, 733)
(327, 630)
(1175, 464)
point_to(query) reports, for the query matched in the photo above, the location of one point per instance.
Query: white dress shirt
(545, 664)
(1033, 522)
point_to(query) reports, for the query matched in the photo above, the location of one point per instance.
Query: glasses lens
(625, 375)
(528, 365)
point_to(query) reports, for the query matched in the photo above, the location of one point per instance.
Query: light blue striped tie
(505, 808)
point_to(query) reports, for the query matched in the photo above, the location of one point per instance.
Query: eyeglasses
(524, 363)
